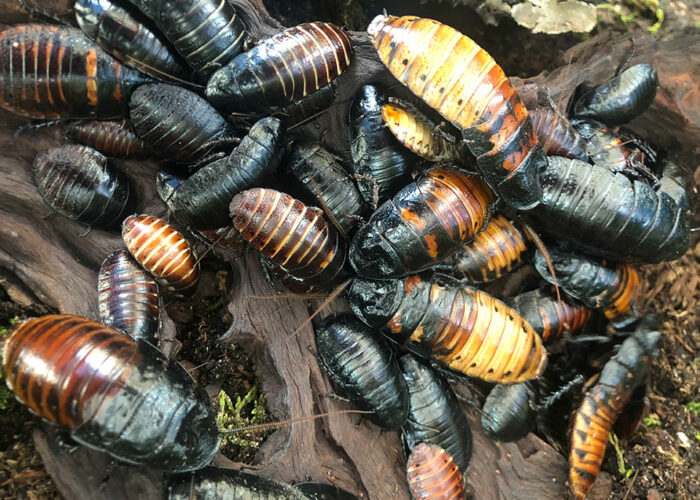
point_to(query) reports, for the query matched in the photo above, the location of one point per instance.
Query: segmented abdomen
(113, 139)
(507, 414)
(433, 474)
(556, 135)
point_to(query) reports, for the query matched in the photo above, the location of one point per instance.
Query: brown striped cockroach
(115, 139)
(433, 474)
(557, 135)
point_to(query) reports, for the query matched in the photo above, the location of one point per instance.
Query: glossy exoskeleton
(326, 184)
(622, 98)
(678, 183)
(175, 123)
(435, 416)
(358, 360)
(556, 134)
(461, 81)
(423, 223)
(213, 483)
(282, 69)
(508, 414)
(113, 393)
(603, 404)
(610, 214)
(610, 150)
(432, 474)
(162, 251)
(79, 183)
(122, 34)
(57, 72)
(111, 138)
(321, 491)
(380, 163)
(462, 328)
(309, 106)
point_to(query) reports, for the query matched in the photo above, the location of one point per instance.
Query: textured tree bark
(45, 260)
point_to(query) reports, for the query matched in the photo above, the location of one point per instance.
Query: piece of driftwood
(46, 260)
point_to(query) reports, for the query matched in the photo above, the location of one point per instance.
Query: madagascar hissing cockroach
(308, 107)
(292, 235)
(677, 182)
(435, 416)
(552, 318)
(79, 183)
(603, 404)
(206, 33)
(128, 297)
(462, 328)
(327, 185)
(622, 98)
(113, 393)
(495, 251)
(432, 474)
(175, 123)
(556, 134)
(111, 138)
(613, 287)
(321, 491)
(124, 35)
(422, 224)
(282, 69)
(358, 360)
(461, 81)
(57, 72)
(162, 251)
(610, 214)
(380, 163)
(508, 413)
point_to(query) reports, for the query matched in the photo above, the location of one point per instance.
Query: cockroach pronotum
(357, 359)
(79, 183)
(461, 81)
(622, 98)
(162, 251)
(111, 138)
(326, 184)
(124, 36)
(433, 474)
(610, 214)
(435, 416)
(613, 287)
(556, 134)
(292, 235)
(508, 413)
(462, 328)
(282, 69)
(601, 407)
(423, 223)
(128, 297)
(113, 393)
(57, 72)
(321, 491)
(380, 163)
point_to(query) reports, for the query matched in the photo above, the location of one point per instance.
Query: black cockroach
(282, 69)
(508, 413)
(78, 182)
(326, 184)
(423, 223)
(435, 416)
(614, 288)
(603, 404)
(176, 123)
(622, 98)
(122, 34)
(610, 214)
(677, 182)
(358, 360)
(57, 72)
(381, 164)
(432, 474)
(321, 491)
(309, 106)
(556, 134)
(206, 33)
(462, 328)
(113, 393)
(128, 297)
(115, 139)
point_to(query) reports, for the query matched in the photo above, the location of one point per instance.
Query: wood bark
(46, 260)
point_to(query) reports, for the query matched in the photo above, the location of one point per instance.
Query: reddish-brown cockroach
(433, 474)
(556, 135)
(115, 139)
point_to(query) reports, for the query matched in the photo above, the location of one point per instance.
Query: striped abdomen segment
(162, 251)
(461, 81)
(433, 474)
(556, 135)
(57, 72)
(128, 296)
(495, 251)
(282, 69)
(111, 138)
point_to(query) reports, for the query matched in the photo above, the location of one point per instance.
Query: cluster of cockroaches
(601, 193)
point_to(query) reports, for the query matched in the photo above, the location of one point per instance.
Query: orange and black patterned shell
(461, 81)
(433, 474)
(111, 138)
(161, 250)
(57, 72)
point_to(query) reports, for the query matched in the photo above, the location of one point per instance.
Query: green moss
(651, 422)
(246, 411)
(693, 407)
